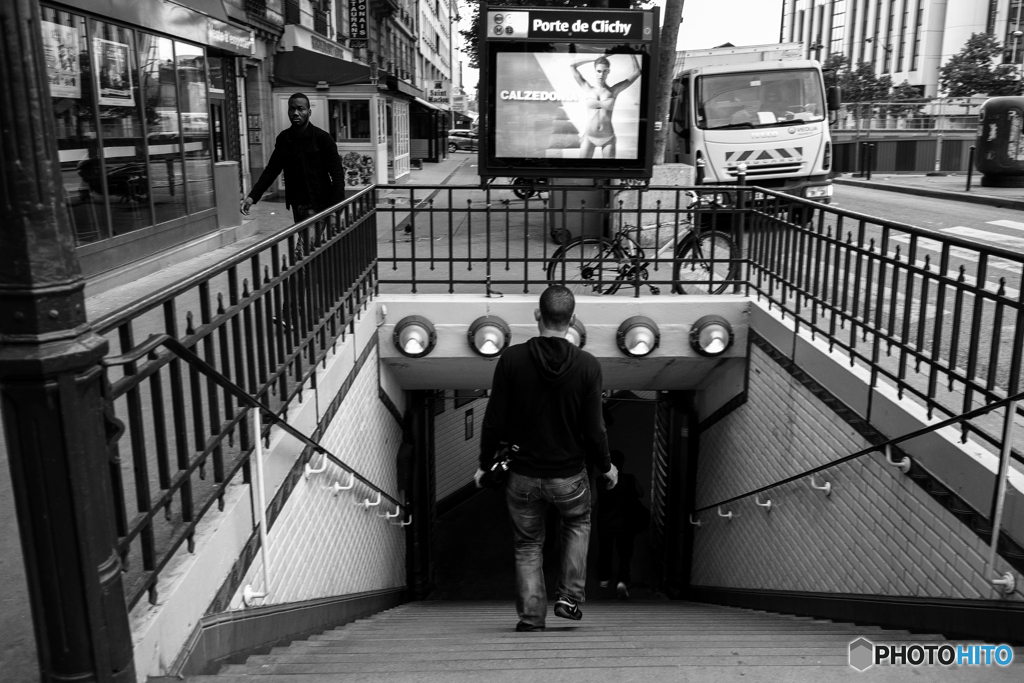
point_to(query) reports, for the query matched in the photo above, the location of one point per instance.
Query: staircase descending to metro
(616, 641)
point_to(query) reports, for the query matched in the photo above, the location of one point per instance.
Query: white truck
(761, 109)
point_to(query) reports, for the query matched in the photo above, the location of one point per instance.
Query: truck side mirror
(835, 98)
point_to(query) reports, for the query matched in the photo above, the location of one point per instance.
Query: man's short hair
(556, 307)
(300, 96)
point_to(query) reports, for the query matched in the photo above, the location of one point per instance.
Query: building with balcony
(908, 40)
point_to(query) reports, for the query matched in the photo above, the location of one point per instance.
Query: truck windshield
(759, 99)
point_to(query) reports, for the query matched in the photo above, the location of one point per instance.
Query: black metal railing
(292, 12)
(919, 310)
(869, 287)
(264, 319)
(148, 349)
(449, 239)
(320, 22)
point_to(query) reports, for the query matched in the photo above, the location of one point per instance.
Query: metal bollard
(970, 168)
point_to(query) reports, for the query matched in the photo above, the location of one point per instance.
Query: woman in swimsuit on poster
(600, 100)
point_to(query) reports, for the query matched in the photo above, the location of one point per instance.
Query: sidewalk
(267, 218)
(949, 187)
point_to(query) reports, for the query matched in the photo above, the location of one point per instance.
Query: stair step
(456, 642)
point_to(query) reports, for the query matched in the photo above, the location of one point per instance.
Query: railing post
(51, 389)
(740, 223)
(970, 168)
(999, 492)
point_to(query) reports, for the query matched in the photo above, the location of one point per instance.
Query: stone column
(50, 386)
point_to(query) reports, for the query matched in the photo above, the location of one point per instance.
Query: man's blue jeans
(528, 499)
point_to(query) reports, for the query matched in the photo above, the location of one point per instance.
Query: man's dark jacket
(313, 174)
(546, 399)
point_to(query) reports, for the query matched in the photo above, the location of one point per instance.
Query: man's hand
(246, 203)
(477, 477)
(612, 476)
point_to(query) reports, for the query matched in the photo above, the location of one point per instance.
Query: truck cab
(769, 119)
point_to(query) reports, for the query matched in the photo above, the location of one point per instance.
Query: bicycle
(524, 188)
(704, 262)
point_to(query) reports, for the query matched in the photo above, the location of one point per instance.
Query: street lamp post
(1017, 34)
(51, 388)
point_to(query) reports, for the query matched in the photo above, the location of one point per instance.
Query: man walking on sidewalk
(545, 398)
(313, 175)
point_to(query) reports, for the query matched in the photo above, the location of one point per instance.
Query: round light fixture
(576, 334)
(489, 335)
(638, 336)
(415, 336)
(711, 335)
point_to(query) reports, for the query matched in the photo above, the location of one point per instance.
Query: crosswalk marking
(984, 235)
(1013, 225)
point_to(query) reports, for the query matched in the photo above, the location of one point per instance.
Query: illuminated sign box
(568, 92)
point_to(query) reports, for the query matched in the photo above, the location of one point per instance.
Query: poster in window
(61, 47)
(115, 74)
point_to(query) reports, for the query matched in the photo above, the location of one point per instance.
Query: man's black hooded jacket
(546, 398)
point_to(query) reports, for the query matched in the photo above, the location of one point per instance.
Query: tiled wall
(456, 457)
(325, 544)
(877, 533)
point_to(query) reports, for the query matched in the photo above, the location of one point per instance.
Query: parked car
(462, 139)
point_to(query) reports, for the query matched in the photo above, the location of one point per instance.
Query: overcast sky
(707, 23)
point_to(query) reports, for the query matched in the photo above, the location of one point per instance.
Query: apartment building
(908, 40)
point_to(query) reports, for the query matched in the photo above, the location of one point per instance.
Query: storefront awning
(211, 8)
(305, 68)
(428, 105)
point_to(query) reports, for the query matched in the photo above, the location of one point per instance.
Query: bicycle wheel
(704, 262)
(587, 265)
(526, 191)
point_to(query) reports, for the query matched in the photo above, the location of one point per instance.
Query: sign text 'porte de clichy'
(568, 24)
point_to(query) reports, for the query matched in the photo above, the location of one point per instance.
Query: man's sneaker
(603, 584)
(623, 591)
(567, 609)
(522, 626)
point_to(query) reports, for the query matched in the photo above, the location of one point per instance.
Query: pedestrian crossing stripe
(776, 154)
(1013, 225)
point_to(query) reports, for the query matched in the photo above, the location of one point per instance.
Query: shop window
(193, 101)
(216, 65)
(65, 42)
(160, 94)
(122, 165)
(350, 120)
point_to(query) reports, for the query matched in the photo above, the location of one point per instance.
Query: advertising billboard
(568, 92)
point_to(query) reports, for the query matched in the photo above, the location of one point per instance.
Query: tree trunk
(667, 66)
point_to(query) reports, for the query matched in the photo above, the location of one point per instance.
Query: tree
(833, 69)
(667, 57)
(971, 71)
(862, 85)
(906, 101)
(472, 36)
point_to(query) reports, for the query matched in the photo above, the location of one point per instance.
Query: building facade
(908, 40)
(145, 100)
(167, 110)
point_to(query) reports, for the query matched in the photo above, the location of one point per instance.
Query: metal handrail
(109, 321)
(177, 348)
(883, 447)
